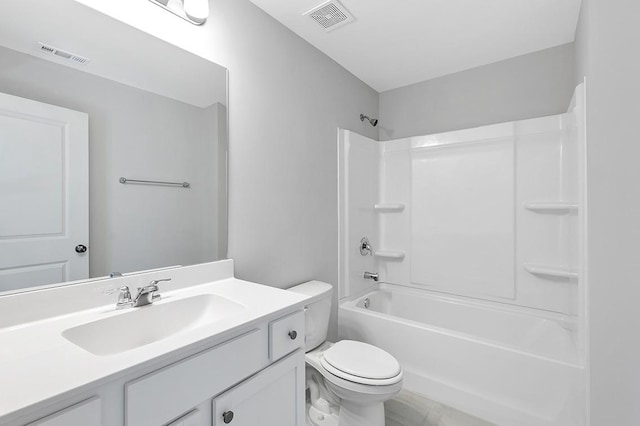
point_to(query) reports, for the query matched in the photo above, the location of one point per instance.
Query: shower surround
(478, 239)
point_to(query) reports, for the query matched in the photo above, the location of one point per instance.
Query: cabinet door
(86, 413)
(273, 397)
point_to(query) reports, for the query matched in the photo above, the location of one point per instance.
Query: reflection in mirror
(78, 111)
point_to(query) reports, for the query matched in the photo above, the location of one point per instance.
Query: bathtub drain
(367, 303)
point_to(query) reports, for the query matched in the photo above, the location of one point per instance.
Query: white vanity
(213, 350)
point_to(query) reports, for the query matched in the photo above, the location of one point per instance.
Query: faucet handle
(155, 282)
(124, 298)
(155, 295)
(365, 247)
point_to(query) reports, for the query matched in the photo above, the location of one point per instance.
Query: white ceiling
(116, 51)
(396, 43)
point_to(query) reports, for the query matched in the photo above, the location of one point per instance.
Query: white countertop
(37, 363)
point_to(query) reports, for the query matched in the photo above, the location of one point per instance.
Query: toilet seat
(361, 363)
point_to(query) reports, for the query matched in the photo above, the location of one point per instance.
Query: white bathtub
(500, 364)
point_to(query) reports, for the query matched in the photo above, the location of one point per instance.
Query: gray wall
(528, 86)
(607, 41)
(136, 134)
(287, 100)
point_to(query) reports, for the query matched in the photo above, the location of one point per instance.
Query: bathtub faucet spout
(371, 276)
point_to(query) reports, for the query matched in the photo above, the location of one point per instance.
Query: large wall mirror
(86, 100)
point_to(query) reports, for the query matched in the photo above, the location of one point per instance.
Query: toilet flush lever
(365, 247)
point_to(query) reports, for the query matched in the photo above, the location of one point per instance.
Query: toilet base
(361, 415)
(349, 415)
(316, 417)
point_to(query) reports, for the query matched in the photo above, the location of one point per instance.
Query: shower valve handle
(365, 247)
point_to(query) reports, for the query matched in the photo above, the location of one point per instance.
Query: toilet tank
(318, 309)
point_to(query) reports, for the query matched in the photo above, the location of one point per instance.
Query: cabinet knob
(293, 334)
(227, 416)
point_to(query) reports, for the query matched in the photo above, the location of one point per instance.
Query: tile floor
(410, 409)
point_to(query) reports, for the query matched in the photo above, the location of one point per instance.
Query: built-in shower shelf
(388, 207)
(551, 271)
(389, 254)
(551, 207)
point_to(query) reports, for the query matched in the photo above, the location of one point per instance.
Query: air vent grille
(62, 54)
(330, 15)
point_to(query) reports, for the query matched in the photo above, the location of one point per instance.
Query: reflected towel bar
(123, 180)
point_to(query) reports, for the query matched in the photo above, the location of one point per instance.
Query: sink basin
(137, 327)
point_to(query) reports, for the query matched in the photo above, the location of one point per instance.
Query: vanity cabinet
(212, 343)
(254, 376)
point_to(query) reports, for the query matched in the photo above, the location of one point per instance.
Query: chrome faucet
(148, 294)
(371, 276)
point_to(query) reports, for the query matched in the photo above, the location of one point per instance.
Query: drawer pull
(227, 416)
(293, 334)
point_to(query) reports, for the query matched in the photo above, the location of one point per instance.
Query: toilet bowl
(354, 379)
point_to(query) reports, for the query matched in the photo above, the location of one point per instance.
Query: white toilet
(348, 381)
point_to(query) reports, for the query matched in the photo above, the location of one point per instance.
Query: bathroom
(286, 101)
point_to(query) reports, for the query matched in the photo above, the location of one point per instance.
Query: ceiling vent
(330, 15)
(61, 54)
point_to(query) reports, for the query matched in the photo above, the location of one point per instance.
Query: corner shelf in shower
(551, 271)
(388, 207)
(389, 254)
(557, 207)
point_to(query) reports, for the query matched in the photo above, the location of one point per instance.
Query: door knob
(81, 248)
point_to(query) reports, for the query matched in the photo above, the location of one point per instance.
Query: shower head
(372, 121)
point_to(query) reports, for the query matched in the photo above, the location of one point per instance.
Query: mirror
(151, 112)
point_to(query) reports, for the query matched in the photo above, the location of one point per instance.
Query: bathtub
(502, 364)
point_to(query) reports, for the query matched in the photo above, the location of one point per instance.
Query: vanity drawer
(163, 395)
(286, 335)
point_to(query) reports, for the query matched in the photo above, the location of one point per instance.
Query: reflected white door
(44, 193)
